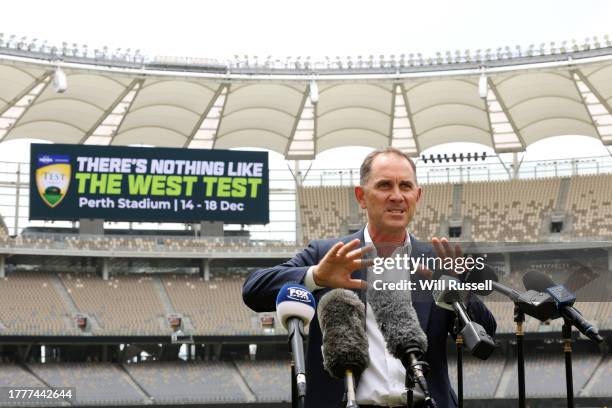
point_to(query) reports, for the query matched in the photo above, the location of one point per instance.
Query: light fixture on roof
(314, 92)
(483, 86)
(60, 83)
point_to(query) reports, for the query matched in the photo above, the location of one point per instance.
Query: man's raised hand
(336, 267)
(445, 250)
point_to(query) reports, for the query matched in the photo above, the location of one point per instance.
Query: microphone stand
(294, 397)
(519, 318)
(409, 389)
(567, 350)
(459, 343)
(298, 388)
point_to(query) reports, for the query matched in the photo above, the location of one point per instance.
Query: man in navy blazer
(388, 191)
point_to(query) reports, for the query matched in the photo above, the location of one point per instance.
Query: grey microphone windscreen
(397, 321)
(342, 320)
(534, 280)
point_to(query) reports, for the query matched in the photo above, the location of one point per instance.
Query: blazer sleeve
(479, 313)
(261, 287)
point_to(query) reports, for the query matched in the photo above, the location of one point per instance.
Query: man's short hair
(366, 166)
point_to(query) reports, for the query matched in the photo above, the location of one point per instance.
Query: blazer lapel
(421, 300)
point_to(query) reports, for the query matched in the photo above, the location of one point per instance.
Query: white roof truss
(18, 106)
(105, 129)
(506, 137)
(599, 110)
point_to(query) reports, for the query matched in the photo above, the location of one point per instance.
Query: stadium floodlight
(314, 92)
(483, 86)
(60, 83)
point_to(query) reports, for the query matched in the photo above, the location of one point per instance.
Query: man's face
(390, 194)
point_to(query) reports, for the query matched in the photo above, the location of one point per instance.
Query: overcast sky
(280, 28)
(221, 29)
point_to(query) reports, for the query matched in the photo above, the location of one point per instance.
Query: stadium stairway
(243, 384)
(562, 195)
(505, 380)
(70, 305)
(600, 370)
(132, 381)
(186, 323)
(457, 200)
(163, 295)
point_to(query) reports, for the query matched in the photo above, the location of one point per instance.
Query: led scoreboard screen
(69, 182)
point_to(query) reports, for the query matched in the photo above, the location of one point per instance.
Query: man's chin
(396, 227)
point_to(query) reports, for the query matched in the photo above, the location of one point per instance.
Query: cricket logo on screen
(52, 177)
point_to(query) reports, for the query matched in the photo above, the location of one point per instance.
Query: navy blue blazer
(261, 287)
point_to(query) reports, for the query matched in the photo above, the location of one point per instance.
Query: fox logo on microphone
(295, 300)
(299, 294)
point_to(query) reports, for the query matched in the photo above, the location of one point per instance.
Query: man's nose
(396, 194)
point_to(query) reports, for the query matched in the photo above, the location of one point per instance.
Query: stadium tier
(498, 211)
(200, 382)
(267, 381)
(36, 303)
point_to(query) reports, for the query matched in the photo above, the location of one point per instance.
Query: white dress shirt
(383, 381)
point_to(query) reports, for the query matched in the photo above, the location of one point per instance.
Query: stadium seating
(590, 206)
(434, 208)
(480, 378)
(269, 380)
(545, 374)
(126, 304)
(509, 210)
(94, 383)
(214, 307)
(30, 304)
(181, 382)
(325, 211)
(601, 382)
(516, 210)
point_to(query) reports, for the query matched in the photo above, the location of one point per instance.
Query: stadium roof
(506, 100)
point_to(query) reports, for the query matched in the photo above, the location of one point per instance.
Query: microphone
(564, 301)
(345, 344)
(477, 340)
(402, 332)
(482, 275)
(295, 308)
(533, 303)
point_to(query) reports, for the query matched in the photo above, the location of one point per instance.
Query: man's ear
(360, 195)
(419, 194)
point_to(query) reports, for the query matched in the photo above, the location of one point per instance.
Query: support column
(2, 266)
(507, 265)
(205, 269)
(104, 268)
(515, 166)
(91, 226)
(609, 259)
(211, 229)
(299, 237)
(17, 194)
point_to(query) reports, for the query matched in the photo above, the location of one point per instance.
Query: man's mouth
(397, 211)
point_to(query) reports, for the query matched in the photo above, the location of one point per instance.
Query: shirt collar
(407, 244)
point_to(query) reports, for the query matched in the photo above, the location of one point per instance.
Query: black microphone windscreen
(534, 280)
(397, 321)
(484, 274)
(345, 345)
